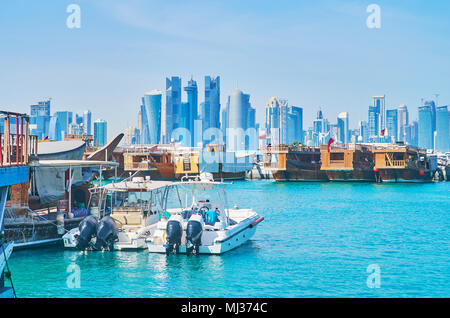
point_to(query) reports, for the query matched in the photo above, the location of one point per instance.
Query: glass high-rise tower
(100, 133)
(426, 127)
(151, 117)
(442, 129)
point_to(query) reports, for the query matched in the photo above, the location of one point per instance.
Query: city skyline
(323, 56)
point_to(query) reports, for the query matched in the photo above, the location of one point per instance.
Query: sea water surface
(317, 240)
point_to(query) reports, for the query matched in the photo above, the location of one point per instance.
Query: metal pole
(17, 140)
(21, 141)
(70, 189)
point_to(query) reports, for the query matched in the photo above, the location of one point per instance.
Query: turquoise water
(317, 240)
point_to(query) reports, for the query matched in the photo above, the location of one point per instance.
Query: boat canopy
(74, 163)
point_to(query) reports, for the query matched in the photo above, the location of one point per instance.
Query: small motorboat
(123, 216)
(201, 226)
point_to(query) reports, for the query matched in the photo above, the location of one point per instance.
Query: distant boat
(61, 150)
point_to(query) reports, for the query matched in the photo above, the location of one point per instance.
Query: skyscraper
(392, 124)
(379, 103)
(432, 106)
(295, 124)
(403, 121)
(373, 118)
(426, 127)
(342, 121)
(210, 111)
(87, 122)
(442, 129)
(41, 109)
(277, 120)
(151, 117)
(238, 111)
(100, 133)
(189, 111)
(64, 119)
(172, 106)
(363, 131)
(54, 129)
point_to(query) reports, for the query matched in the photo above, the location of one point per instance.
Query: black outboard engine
(88, 229)
(106, 234)
(174, 232)
(194, 234)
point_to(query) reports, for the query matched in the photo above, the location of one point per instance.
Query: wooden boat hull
(356, 175)
(404, 175)
(296, 171)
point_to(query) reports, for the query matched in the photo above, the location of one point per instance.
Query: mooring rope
(9, 276)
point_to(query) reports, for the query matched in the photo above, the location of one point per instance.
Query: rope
(9, 276)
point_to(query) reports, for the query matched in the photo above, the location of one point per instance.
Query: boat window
(337, 156)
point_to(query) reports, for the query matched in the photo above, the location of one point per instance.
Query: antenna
(437, 97)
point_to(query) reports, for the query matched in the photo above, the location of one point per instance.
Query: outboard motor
(88, 229)
(174, 232)
(194, 234)
(106, 234)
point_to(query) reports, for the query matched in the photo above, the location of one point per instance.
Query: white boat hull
(216, 241)
(215, 249)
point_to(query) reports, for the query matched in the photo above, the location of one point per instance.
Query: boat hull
(404, 176)
(218, 248)
(351, 175)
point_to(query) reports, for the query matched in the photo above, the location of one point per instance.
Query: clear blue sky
(314, 53)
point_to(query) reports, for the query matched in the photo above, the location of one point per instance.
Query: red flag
(46, 138)
(329, 143)
(382, 133)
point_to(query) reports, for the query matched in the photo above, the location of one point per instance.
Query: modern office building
(100, 133)
(295, 124)
(363, 131)
(426, 134)
(55, 132)
(238, 112)
(64, 119)
(432, 106)
(342, 122)
(189, 110)
(403, 122)
(151, 117)
(277, 121)
(210, 112)
(442, 129)
(379, 102)
(172, 106)
(41, 109)
(373, 118)
(392, 124)
(87, 122)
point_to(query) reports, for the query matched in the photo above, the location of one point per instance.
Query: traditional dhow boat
(352, 162)
(403, 163)
(202, 224)
(293, 163)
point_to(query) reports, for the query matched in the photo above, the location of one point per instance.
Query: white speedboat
(123, 216)
(203, 224)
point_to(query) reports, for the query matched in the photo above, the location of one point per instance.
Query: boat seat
(127, 210)
(127, 219)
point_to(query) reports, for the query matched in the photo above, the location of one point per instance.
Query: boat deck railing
(15, 148)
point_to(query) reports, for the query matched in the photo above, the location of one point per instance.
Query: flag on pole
(382, 132)
(329, 144)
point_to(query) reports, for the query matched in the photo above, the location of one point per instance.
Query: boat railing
(275, 149)
(144, 165)
(15, 149)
